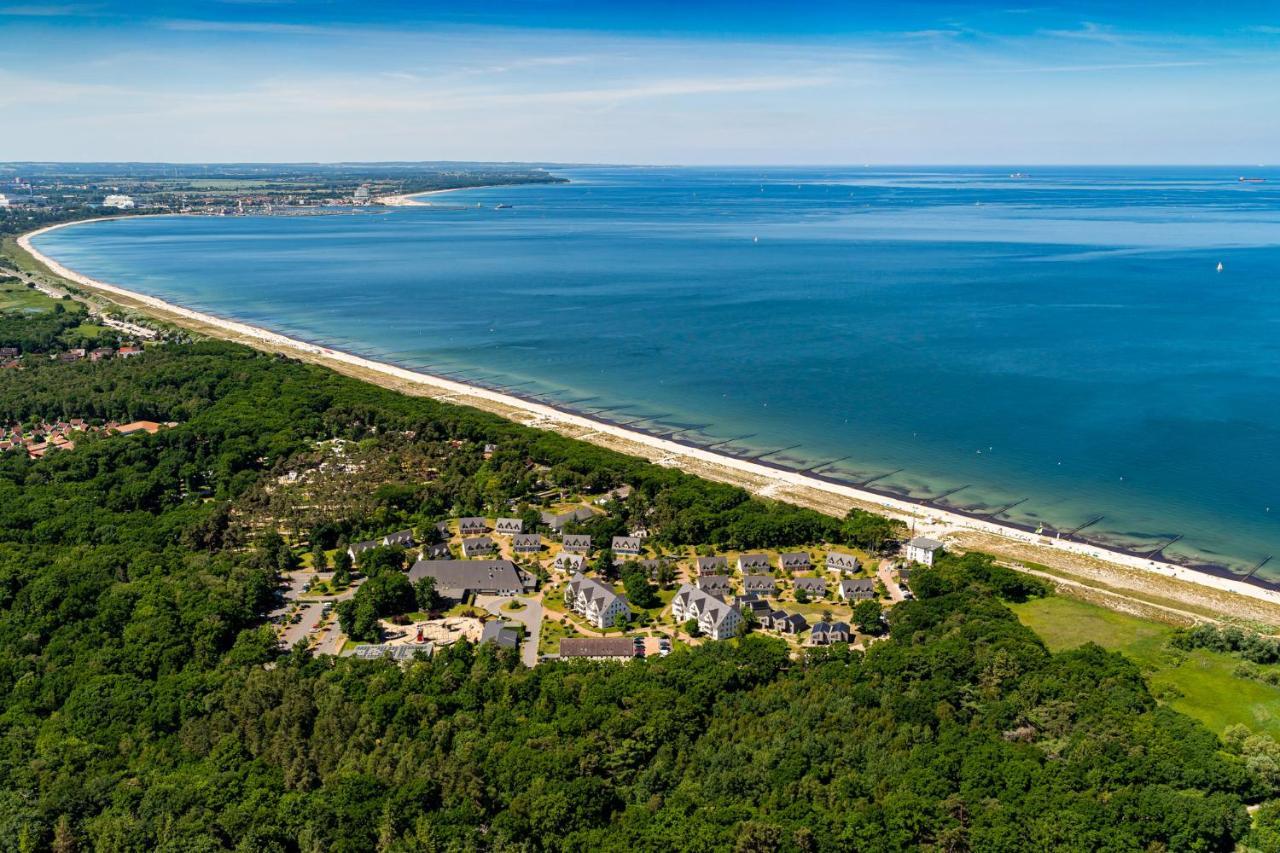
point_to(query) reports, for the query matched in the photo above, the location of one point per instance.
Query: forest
(146, 707)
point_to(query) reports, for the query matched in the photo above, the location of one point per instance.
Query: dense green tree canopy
(146, 708)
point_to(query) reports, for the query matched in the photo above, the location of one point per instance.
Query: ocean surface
(1053, 348)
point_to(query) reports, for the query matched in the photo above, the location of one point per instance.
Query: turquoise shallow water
(1059, 342)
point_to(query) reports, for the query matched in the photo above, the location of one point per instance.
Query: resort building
(438, 551)
(759, 585)
(627, 545)
(460, 579)
(4, 200)
(595, 602)
(558, 521)
(599, 648)
(717, 585)
(526, 543)
(119, 202)
(472, 526)
(814, 587)
(794, 562)
(403, 538)
(846, 563)
(478, 546)
(922, 550)
(715, 618)
(567, 561)
(828, 633)
(754, 563)
(712, 565)
(856, 589)
(576, 543)
(500, 634)
(509, 526)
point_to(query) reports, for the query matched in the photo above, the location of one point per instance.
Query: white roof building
(120, 202)
(922, 549)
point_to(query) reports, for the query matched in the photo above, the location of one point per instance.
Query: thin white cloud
(48, 11)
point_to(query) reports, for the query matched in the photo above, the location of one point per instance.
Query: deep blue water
(1063, 339)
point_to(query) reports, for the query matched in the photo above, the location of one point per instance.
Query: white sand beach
(764, 479)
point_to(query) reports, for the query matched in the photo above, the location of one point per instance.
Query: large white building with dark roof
(715, 618)
(595, 602)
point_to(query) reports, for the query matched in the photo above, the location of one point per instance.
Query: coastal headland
(1116, 579)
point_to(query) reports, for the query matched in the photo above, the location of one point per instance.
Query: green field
(16, 296)
(1200, 683)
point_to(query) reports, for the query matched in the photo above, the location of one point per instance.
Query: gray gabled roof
(472, 523)
(509, 525)
(794, 558)
(753, 560)
(526, 542)
(759, 583)
(818, 585)
(558, 520)
(627, 543)
(713, 583)
(476, 542)
(500, 634)
(924, 543)
(460, 576)
(711, 563)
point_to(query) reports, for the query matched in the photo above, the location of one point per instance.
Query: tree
(319, 559)
(868, 530)
(424, 592)
(639, 591)
(866, 615)
(691, 628)
(384, 558)
(342, 561)
(605, 566)
(802, 595)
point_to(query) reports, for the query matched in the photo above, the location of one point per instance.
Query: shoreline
(407, 199)
(938, 522)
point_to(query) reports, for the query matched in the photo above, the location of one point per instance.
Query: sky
(657, 82)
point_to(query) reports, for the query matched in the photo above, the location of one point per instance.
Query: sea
(1055, 348)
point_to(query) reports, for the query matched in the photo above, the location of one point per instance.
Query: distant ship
(1219, 266)
(1018, 175)
(1246, 180)
(501, 206)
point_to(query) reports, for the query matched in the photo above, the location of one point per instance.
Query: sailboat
(1219, 266)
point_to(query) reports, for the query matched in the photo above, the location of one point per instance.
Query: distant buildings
(715, 618)
(595, 602)
(753, 563)
(4, 200)
(922, 550)
(119, 202)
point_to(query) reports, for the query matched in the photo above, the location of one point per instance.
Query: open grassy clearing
(1200, 683)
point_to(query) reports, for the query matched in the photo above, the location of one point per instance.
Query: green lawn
(16, 296)
(1201, 684)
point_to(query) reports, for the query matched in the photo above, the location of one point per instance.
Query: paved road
(530, 616)
(886, 577)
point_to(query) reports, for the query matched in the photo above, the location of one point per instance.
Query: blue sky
(658, 82)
